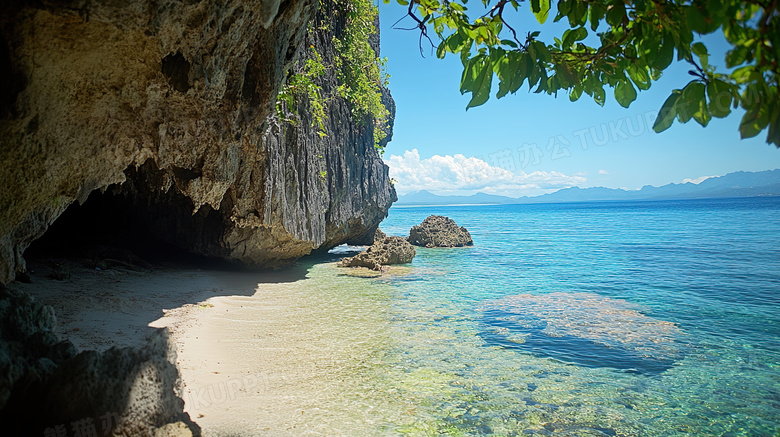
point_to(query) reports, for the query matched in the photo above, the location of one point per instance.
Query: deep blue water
(620, 318)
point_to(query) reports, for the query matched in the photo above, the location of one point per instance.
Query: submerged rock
(585, 329)
(390, 250)
(439, 231)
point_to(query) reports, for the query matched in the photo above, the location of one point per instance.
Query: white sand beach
(259, 353)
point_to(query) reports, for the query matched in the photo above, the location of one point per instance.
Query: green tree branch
(635, 41)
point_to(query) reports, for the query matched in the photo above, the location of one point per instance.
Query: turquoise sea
(658, 318)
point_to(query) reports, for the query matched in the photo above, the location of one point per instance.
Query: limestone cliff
(168, 106)
(158, 116)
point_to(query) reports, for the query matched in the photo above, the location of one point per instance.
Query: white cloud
(603, 172)
(697, 180)
(458, 174)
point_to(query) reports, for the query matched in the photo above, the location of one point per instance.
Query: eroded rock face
(439, 231)
(29, 349)
(379, 235)
(45, 384)
(388, 251)
(172, 101)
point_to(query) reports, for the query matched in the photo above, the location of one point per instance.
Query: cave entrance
(134, 224)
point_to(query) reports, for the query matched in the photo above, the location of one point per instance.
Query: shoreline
(258, 353)
(122, 307)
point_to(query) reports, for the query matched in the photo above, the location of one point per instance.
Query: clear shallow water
(601, 319)
(643, 318)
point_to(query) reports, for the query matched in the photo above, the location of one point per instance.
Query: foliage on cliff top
(358, 67)
(303, 83)
(621, 44)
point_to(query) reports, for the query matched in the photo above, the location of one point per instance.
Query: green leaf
(575, 93)
(748, 127)
(665, 54)
(566, 77)
(503, 88)
(702, 116)
(625, 93)
(497, 58)
(508, 68)
(441, 51)
(534, 73)
(403, 2)
(480, 86)
(467, 79)
(737, 56)
(571, 36)
(690, 101)
(599, 96)
(720, 95)
(523, 70)
(667, 113)
(543, 85)
(597, 13)
(550, 86)
(700, 50)
(704, 17)
(773, 136)
(744, 74)
(564, 7)
(541, 51)
(455, 41)
(616, 14)
(754, 121)
(541, 8)
(578, 15)
(639, 75)
(697, 21)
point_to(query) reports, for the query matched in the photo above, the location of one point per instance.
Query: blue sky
(529, 144)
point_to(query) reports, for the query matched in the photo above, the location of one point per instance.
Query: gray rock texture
(388, 251)
(166, 106)
(439, 231)
(45, 384)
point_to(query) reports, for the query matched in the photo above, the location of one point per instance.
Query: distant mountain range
(739, 184)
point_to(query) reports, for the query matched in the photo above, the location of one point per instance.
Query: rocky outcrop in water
(439, 231)
(45, 386)
(388, 251)
(158, 113)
